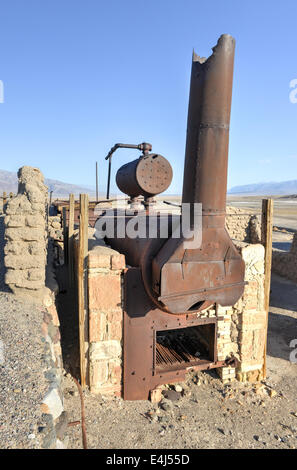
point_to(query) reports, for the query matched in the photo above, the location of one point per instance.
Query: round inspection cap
(153, 174)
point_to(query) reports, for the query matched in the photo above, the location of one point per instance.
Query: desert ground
(206, 413)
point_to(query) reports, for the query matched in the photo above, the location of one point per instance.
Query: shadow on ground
(284, 246)
(68, 316)
(283, 293)
(282, 329)
(282, 325)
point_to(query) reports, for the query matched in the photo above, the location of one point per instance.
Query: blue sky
(80, 76)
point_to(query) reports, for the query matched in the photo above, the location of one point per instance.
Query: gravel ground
(22, 383)
(207, 414)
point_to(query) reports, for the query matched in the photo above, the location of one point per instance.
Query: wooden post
(96, 181)
(70, 239)
(65, 235)
(4, 200)
(267, 221)
(82, 291)
(51, 195)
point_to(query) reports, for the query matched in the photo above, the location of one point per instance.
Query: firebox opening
(196, 306)
(183, 347)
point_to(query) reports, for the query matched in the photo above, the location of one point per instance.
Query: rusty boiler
(167, 282)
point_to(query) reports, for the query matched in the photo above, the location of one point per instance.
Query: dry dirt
(22, 381)
(207, 413)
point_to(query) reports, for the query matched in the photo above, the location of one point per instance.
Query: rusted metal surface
(83, 417)
(142, 322)
(175, 348)
(147, 176)
(206, 159)
(214, 272)
(144, 147)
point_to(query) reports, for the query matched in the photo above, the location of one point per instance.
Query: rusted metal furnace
(167, 284)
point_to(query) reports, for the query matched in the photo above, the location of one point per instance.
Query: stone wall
(55, 230)
(52, 406)
(55, 238)
(285, 263)
(243, 226)
(25, 234)
(242, 332)
(29, 269)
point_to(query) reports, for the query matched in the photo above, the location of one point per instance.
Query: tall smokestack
(206, 157)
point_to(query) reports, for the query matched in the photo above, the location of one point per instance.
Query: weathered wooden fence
(4, 199)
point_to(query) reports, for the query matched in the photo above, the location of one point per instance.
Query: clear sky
(80, 76)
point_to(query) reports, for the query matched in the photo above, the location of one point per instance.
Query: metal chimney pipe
(206, 156)
(174, 278)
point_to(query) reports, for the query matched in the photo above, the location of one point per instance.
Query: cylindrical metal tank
(146, 176)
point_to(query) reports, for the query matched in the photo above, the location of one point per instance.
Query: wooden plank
(267, 225)
(70, 240)
(65, 235)
(92, 204)
(96, 181)
(82, 291)
(4, 200)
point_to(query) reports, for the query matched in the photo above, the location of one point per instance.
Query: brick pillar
(241, 332)
(105, 268)
(25, 234)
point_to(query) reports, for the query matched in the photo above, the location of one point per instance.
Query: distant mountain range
(9, 183)
(266, 189)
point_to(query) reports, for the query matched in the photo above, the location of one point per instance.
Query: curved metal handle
(145, 147)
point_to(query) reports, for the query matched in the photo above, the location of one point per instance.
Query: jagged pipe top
(223, 39)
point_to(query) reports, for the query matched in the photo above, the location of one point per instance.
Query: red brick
(97, 260)
(104, 292)
(115, 330)
(115, 372)
(97, 326)
(115, 315)
(118, 262)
